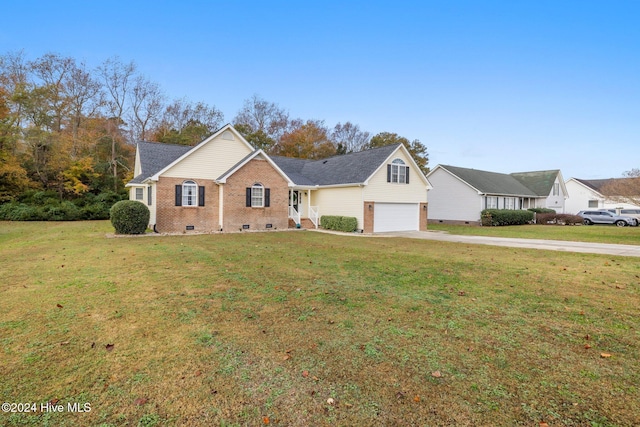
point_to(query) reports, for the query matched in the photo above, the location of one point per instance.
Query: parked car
(606, 217)
(634, 213)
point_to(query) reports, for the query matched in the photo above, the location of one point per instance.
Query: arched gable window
(398, 172)
(189, 193)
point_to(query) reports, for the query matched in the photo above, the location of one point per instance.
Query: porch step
(304, 223)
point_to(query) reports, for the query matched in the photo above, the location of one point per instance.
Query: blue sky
(505, 86)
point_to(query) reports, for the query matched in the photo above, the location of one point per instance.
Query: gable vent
(227, 135)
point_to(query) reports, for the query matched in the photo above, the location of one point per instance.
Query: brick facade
(236, 213)
(175, 219)
(369, 209)
(424, 217)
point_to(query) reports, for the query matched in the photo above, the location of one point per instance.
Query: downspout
(220, 206)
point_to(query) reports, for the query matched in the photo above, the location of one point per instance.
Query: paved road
(552, 245)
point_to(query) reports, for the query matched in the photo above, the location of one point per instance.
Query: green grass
(578, 233)
(245, 329)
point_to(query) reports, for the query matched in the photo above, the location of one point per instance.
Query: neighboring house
(223, 184)
(586, 194)
(460, 194)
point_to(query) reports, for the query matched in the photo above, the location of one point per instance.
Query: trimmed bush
(556, 218)
(542, 210)
(497, 217)
(339, 223)
(130, 217)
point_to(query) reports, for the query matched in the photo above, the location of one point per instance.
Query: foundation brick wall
(175, 219)
(236, 213)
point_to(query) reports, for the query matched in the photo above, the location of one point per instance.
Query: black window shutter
(178, 195)
(267, 197)
(407, 175)
(248, 197)
(388, 173)
(201, 195)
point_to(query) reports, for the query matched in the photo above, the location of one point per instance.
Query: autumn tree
(624, 190)
(309, 140)
(187, 123)
(53, 73)
(261, 123)
(147, 104)
(13, 177)
(348, 138)
(117, 78)
(417, 150)
(85, 98)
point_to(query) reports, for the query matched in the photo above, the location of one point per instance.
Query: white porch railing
(314, 216)
(293, 214)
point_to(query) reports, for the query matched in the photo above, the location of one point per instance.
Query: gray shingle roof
(541, 182)
(352, 168)
(595, 184)
(491, 182)
(155, 156)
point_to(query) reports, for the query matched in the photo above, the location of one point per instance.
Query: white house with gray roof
(223, 184)
(587, 194)
(459, 194)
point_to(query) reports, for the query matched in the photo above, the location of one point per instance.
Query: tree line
(69, 131)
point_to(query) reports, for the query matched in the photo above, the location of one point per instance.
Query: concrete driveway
(551, 245)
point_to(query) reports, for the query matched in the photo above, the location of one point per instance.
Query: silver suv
(634, 213)
(606, 217)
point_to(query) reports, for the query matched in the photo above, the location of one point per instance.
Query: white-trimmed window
(189, 193)
(492, 202)
(509, 203)
(139, 193)
(593, 203)
(556, 189)
(257, 196)
(398, 172)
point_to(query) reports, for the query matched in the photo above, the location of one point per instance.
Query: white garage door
(396, 217)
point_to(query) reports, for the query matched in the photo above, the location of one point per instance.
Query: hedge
(496, 217)
(542, 210)
(47, 206)
(339, 223)
(130, 217)
(556, 218)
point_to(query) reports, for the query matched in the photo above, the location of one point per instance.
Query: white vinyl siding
(453, 200)
(345, 201)
(211, 160)
(379, 190)
(581, 198)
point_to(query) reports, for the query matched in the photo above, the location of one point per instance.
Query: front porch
(301, 213)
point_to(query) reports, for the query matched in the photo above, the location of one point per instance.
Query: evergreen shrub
(497, 217)
(130, 217)
(339, 223)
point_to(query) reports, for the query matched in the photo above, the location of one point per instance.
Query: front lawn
(576, 233)
(301, 328)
